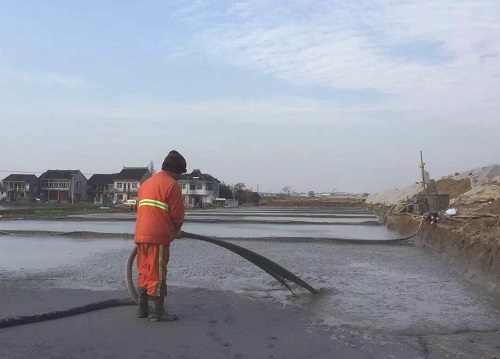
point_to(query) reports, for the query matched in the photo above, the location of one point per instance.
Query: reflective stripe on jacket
(154, 203)
(160, 210)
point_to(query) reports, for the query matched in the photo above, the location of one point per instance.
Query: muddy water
(398, 289)
(282, 218)
(236, 217)
(226, 230)
(21, 253)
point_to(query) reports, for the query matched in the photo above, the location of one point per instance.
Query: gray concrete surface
(212, 325)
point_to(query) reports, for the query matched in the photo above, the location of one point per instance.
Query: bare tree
(287, 190)
(238, 190)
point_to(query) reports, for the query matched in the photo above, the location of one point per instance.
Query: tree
(239, 187)
(287, 190)
(238, 190)
(251, 197)
(311, 194)
(225, 191)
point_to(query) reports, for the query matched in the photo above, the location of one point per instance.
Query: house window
(134, 185)
(209, 186)
(78, 184)
(119, 185)
(199, 186)
(192, 187)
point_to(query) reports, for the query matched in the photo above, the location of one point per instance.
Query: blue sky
(314, 95)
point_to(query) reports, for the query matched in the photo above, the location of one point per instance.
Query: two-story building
(126, 183)
(100, 189)
(63, 186)
(21, 187)
(199, 189)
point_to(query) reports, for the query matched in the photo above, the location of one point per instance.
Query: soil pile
(477, 176)
(453, 187)
(482, 194)
(394, 196)
(492, 208)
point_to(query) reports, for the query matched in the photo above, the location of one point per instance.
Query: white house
(199, 189)
(126, 183)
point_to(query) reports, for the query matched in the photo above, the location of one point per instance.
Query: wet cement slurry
(375, 301)
(225, 230)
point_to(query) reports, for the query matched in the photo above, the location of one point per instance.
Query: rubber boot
(142, 302)
(157, 311)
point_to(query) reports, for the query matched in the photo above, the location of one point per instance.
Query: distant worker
(160, 215)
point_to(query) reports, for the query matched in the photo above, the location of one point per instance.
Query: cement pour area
(407, 298)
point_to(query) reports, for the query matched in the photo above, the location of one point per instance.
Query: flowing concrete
(226, 230)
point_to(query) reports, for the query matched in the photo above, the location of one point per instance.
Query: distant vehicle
(130, 203)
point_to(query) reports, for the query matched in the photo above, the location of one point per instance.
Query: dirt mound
(492, 208)
(453, 187)
(495, 180)
(394, 196)
(481, 194)
(478, 176)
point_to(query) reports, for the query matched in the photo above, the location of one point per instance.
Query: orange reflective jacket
(160, 210)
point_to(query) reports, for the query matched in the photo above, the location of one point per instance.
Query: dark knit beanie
(174, 162)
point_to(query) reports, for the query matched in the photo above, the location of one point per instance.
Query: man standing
(160, 215)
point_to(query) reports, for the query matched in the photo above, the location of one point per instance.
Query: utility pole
(422, 166)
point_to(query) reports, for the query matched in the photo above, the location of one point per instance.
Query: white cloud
(287, 110)
(46, 79)
(348, 45)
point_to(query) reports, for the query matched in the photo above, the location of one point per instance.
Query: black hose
(35, 318)
(260, 261)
